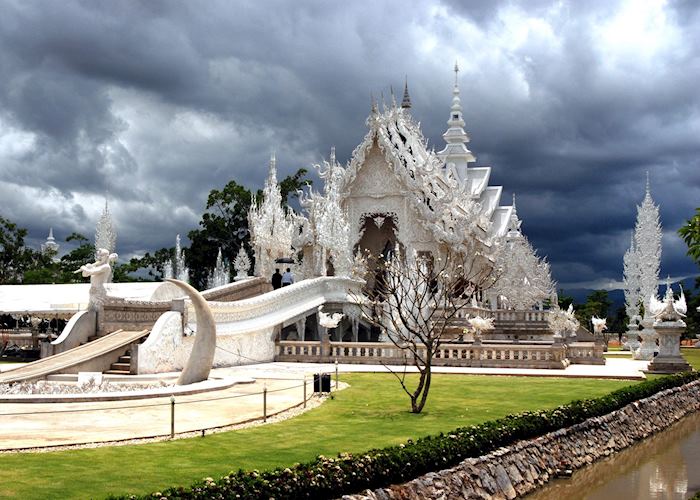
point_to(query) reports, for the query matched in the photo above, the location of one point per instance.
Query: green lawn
(372, 413)
(692, 356)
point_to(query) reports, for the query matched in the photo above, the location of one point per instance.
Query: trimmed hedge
(333, 477)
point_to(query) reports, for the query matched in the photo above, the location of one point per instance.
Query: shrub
(332, 477)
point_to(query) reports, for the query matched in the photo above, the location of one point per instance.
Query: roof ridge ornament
(406, 102)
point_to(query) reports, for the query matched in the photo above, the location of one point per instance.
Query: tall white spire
(647, 242)
(50, 244)
(272, 173)
(456, 155)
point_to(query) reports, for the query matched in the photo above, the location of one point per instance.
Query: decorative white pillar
(647, 348)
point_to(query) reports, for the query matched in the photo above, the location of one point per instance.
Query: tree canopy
(690, 233)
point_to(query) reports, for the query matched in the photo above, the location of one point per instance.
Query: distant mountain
(617, 296)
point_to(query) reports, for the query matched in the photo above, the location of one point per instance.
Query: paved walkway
(27, 425)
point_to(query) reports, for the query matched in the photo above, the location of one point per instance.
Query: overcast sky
(156, 103)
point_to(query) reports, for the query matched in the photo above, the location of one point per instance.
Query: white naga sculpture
(599, 325)
(201, 358)
(480, 325)
(99, 273)
(668, 309)
(329, 320)
(563, 322)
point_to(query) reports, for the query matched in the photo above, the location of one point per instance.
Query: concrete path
(28, 425)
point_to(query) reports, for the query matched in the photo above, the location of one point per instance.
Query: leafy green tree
(690, 233)
(619, 321)
(597, 304)
(564, 300)
(84, 253)
(15, 256)
(692, 319)
(224, 225)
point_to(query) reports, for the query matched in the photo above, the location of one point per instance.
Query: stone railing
(130, 315)
(586, 353)
(484, 355)
(238, 290)
(520, 316)
(279, 306)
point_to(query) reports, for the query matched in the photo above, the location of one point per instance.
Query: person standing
(276, 280)
(287, 277)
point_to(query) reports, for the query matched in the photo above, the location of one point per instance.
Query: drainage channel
(663, 467)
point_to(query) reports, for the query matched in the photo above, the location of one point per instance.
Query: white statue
(668, 309)
(563, 322)
(329, 320)
(599, 324)
(479, 325)
(99, 273)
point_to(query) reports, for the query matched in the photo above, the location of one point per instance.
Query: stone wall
(519, 469)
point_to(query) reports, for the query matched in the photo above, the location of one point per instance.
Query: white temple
(395, 191)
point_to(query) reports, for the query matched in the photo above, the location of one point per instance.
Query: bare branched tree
(416, 299)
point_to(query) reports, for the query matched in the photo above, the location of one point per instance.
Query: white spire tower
(50, 245)
(647, 239)
(106, 234)
(456, 155)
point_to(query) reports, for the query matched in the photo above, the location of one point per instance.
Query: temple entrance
(379, 237)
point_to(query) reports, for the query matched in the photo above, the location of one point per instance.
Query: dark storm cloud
(156, 103)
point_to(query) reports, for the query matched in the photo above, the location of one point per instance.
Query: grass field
(372, 413)
(692, 355)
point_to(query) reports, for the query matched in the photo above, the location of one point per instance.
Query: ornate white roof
(453, 200)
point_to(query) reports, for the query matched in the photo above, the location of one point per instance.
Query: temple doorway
(379, 237)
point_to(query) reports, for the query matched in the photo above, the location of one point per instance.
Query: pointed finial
(374, 103)
(393, 98)
(456, 74)
(50, 234)
(332, 155)
(513, 201)
(273, 165)
(406, 102)
(648, 185)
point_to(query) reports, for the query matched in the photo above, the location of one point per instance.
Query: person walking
(287, 277)
(276, 280)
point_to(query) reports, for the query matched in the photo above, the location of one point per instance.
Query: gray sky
(156, 103)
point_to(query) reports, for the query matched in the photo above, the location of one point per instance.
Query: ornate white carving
(179, 269)
(241, 264)
(562, 322)
(647, 244)
(328, 222)
(271, 228)
(378, 221)
(524, 279)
